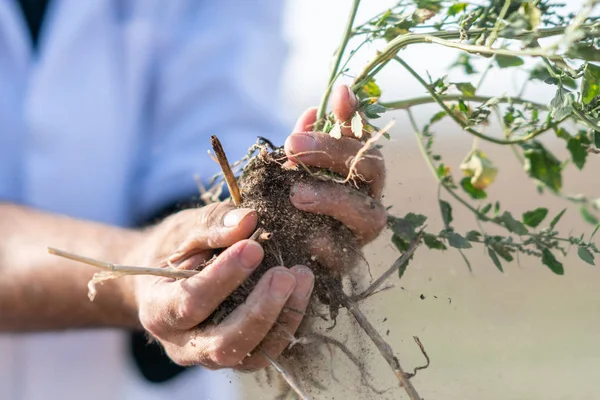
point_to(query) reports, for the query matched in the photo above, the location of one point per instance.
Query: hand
(362, 214)
(170, 310)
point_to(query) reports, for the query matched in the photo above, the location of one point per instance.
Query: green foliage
(535, 217)
(542, 166)
(516, 29)
(591, 83)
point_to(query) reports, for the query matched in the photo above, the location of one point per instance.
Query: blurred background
(522, 334)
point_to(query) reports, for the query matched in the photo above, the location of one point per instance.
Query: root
(384, 348)
(397, 264)
(361, 153)
(287, 376)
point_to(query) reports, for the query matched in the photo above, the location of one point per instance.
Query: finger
(194, 299)
(363, 215)
(243, 330)
(344, 104)
(306, 121)
(218, 225)
(323, 151)
(287, 324)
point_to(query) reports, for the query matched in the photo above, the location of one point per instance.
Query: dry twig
(397, 264)
(227, 172)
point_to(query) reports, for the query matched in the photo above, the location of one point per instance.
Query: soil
(265, 187)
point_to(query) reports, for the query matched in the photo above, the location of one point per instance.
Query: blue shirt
(110, 120)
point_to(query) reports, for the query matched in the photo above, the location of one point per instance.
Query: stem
(437, 37)
(503, 12)
(433, 170)
(334, 70)
(462, 124)
(234, 189)
(417, 101)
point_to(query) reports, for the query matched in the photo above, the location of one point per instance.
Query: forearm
(39, 291)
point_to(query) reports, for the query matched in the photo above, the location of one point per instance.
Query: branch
(403, 41)
(334, 70)
(234, 189)
(417, 101)
(467, 128)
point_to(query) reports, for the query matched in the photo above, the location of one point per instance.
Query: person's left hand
(363, 214)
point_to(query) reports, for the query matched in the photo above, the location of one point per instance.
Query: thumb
(215, 226)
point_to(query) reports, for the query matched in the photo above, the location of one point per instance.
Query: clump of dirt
(297, 237)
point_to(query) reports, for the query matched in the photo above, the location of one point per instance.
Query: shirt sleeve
(218, 70)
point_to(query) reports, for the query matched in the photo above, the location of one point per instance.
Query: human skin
(41, 292)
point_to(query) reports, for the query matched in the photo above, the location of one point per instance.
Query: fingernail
(352, 98)
(234, 217)
(282, 284)
(251, 255)
(303, 194)
(304, 282)
(301, 142)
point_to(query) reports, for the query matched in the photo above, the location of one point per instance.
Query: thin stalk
(501, 16)
(334, 70)
(462, 124)
(417, 101)
(403, 41)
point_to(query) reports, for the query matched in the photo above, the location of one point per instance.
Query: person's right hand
(170, 310)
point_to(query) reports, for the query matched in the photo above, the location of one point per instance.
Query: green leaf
(462, 106)
(596, 135)
(577, 146)
(486, 208)
(535, 217)
(512, 224)
(588, 216)
(405, 228)
(590, 86)
(468, 187)
(505, 61)
(416, 220)
(437, 117)
(473, 236)
(561, 105)
(466, 88)
(503, 252)
(446, 209)
(540, 72)
(456, 8)
(541, 165)
(557, 218)
(585, 255)
(432, 242)
(496, 207)
(495, 259)
(400, 244)
(551, 262)
(457, 241)
(372, 111)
